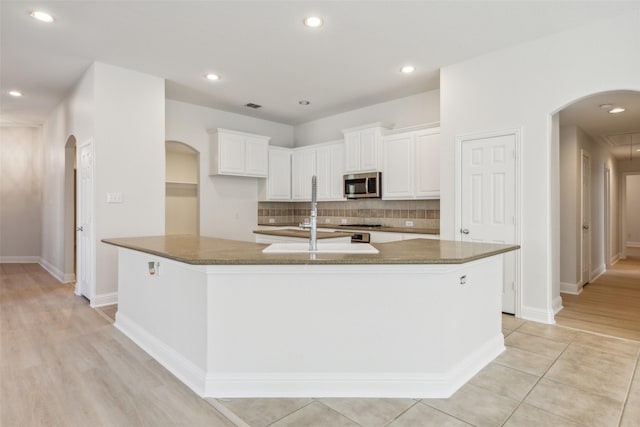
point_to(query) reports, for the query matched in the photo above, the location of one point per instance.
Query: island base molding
(387, 385)
(411, 331)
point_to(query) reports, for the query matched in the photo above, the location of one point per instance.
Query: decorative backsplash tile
(388, 213)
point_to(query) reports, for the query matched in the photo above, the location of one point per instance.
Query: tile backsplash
(388, 213)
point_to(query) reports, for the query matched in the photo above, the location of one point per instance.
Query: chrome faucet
(312, 225)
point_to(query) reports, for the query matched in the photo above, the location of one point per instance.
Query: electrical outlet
(408, 223)
(327, 220)
(343, 221)
(272, 220)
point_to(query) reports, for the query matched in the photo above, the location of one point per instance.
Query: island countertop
(213, 251)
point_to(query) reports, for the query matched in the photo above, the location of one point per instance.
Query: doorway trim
(517, 134)
(607, 217)
(623, 213)
(584, 154)
(70, 209)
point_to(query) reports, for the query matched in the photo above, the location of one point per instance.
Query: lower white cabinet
(268, 238)
(411, 165)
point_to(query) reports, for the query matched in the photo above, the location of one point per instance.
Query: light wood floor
(63, 364)
(611, 304)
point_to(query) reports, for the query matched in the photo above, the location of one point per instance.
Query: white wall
(403, 112)
(20, 194)
(74, 116)
(633, 211)
(129, 159)
(522, 87)
(572, 141)
(122, 112)
(228, 205)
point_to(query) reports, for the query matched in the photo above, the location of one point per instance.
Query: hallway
(609, 305)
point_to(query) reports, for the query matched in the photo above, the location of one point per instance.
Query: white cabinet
(411, 164)
(269, 238)
(238, 153)
(363, 147)
(277, 186)
(326, 161)
(303, 168)
(330, 171)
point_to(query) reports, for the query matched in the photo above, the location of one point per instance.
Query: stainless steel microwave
(362, 185)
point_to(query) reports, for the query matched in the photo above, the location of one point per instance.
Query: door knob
(81, 228)
(465, 231)
(585, 227)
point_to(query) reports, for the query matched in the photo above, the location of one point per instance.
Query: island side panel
(165, 312)
(350, 330)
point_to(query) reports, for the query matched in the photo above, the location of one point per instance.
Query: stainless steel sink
(323, 247)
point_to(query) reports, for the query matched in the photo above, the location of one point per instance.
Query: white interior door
(585, 215)
(85, 267)
(488, 200)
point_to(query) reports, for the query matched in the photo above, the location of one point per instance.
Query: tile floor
(547, 376)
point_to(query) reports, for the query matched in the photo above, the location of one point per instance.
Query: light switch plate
(408, 223)
(114, 197)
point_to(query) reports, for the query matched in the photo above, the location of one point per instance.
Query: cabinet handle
(81, 228)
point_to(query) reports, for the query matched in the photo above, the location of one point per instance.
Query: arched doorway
(70, 216)
(182, 194)
(595, 151)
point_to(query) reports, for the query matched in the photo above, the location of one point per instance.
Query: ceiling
(619, 132)
(262, 51)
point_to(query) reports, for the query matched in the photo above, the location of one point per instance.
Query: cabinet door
(256, 157)
(337, 172)
(352, 154)
(427, 162)
(231, 154)
(330, 171)
(323, 172)
(303, 168)
(279, 179)
(397, 177)
(369, 150)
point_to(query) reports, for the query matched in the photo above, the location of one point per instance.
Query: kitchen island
(418, 319)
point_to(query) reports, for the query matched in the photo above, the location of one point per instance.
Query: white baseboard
(68, 278)
(185, 370)
(538, 315)
(52, 269)
(412, 385)
(19, 259)
(557, 304)
(615, 258)
(104, 299)
(571, 288)
(633, 244)
(595, 274)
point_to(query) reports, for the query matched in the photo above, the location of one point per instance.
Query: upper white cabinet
(303, 168)
(326, 161)
(277, 186)
(363, 147)
(330, 171)
(238, 153)
(411, 164)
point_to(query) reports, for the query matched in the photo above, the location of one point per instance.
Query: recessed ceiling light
(408, 69)
(304, 102)
(616, 110)
(313, 21)
(41, 16)
(212, 77)
(15, 93)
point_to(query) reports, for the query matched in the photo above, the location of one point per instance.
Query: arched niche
(182, 189)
